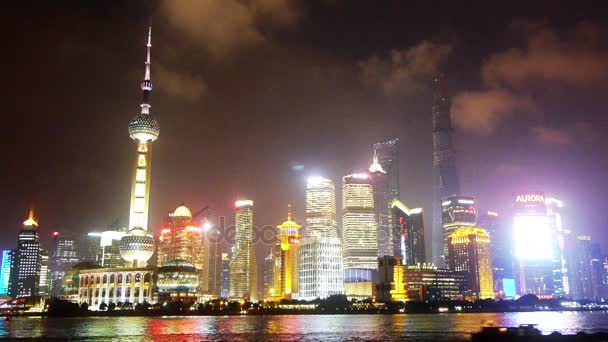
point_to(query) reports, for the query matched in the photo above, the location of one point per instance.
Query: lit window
(140, 189)
(141, 175)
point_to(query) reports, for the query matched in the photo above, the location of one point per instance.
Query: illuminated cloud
(227, 26)
(573, 57)
(567, 136)
(190, 87)
(483, 111)
(407, 71)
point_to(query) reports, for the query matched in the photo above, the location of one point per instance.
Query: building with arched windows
(116, 285)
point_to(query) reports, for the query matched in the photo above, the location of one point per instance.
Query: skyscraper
(26, 261)
(359, 235)
(320, 260)
(225, 274)
(320, 208)
(409, 233)
(587, 270)
(359, 230)
(63, 257)
(456, 212)
(534, 246)
(285, 259)
(243, 267)
(384, 172)
(182, 240)
(5, 271)
(500, 247)
(445, 174)
(213, 258)
(137, 246)
(387, 153)
(321, 274)
(469, 252)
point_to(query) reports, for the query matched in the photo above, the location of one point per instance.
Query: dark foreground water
(442, 327)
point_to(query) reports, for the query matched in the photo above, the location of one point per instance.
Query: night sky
(245, 90)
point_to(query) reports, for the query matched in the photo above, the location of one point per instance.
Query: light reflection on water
(442, 327)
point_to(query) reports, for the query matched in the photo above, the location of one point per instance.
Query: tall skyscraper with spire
(138, 245)
(445, 174)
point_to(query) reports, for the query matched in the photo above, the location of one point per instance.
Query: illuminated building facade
(384, 173)
(426, 282)
(45, 274)
(27, 262)
(457, 212)
(225, 281)
(500, 249)
(64, 255)
(213, 258)
(536, 263)
(177, 280)
(104, 248)
(561, 283)
(182, 239)
(469, 253)
(445, 174)
(114, 285)
(88, 247)
(359, 235)
(588, 274)
(243, 267)
(409, 233)
(320, 208)
(268, 291)
(422, 282)
(390, 286)
(137, 246)
(359, 229)
(320, 261)
(321, 273)
(5, 271)
(285, 259)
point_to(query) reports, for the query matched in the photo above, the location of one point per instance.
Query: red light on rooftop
(55, 233)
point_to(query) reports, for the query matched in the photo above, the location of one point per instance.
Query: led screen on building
(532, 237)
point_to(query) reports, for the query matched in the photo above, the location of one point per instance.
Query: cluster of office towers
(376, 247)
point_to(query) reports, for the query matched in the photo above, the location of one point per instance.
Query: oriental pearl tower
(137, 246)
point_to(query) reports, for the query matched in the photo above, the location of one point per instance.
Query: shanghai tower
(445, 174)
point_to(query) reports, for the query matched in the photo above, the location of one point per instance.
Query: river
(438, 327)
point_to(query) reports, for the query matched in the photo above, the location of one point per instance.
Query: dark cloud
(571, 135)
(405, 71)
(181, 85)
(225, 27)
(576, 57)
(573, 57)
(484, 111)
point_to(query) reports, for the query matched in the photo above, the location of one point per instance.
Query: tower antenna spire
(146, 84)
(149, 45)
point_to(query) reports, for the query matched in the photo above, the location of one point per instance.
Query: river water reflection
(443, 327)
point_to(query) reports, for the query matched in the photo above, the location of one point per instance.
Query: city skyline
(109, 187)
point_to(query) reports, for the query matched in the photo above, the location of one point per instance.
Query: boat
(529, 333)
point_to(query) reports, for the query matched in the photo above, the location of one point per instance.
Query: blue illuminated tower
(5, 271)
